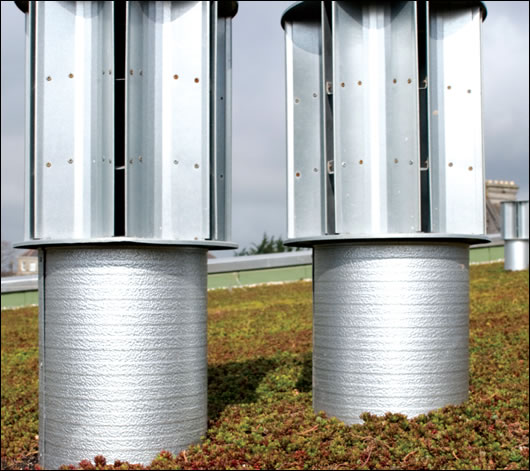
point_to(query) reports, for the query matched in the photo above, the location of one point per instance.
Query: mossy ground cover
(260, 391)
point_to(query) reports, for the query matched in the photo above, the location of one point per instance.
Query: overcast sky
(259, 152)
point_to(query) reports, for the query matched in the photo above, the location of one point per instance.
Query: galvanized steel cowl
(514, 215)
(123, 365)
(390, 327)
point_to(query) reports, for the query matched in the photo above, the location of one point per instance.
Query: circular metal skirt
(390, 328)
(123, 352)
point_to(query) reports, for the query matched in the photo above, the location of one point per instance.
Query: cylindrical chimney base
(123, 366)
(390, 327)
(516, 254)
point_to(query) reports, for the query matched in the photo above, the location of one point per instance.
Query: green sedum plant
(259, 392)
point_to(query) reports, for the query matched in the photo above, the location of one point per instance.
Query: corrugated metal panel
(168, 120)
(456, 136)
(73, 120)
(376, 117)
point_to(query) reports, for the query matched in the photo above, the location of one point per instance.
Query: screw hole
(450, 164)
(175, 77)
(359, 83)
(48, 78)
(314, 95)
(448, 87)
(395, 81)
(196, 165)
(360, 162)
(411, 162)
(48, 164)
(342, 84)
(196, 80)
(396, 161)
(315, 170)
(297, 174)
(71, 75)
(221, 176)
(175, 162)
(470, 169)
(70, 161)
(409, 80)
(131, 72)
(469, 91)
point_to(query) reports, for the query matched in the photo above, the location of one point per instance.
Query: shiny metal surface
(123, 352)
(455, 119)
(516, 255)
(390, 327)
(70, 120)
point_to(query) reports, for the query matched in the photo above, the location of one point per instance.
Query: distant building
(27, 263)
(497, 191)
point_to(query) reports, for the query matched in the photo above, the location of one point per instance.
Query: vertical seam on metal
(289, 69)
(482, 160)
(227, 224)
(125, 119)
(214, 47)
(31, 120)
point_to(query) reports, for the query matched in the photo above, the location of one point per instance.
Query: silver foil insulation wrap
(390, 328)
(123, 352)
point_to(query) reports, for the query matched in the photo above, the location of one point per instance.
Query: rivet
(131, 72)
(140, 158)
(469, 91)
(360, 162)
(396, 161)
(103, 159)
(448, 87)
(175, 77)
(48, 78)
(103, 72)
(175, 162)
(131, 161)
(195, 238)
(297, 100)
(342, 84)
(343, 164)
(48, 164)
(70, 161)
(196, 80)
(196, 165)
(315, 170)
(221, 175)
(71, 75)
(110, 71)
(110, 161)
(314, 95)
(395, 81)
(470, 168)
(411, 162)
(141, 72)
(359, 83)
(450, 164)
